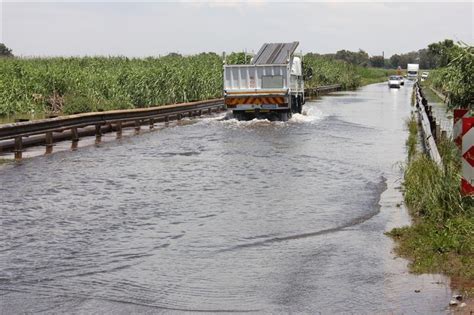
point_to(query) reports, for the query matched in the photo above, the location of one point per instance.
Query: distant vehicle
(412, 71)
(394, 81)
(424, 75)
(402, 80)
(270, 87)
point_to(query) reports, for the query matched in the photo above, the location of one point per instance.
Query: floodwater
(220, 216)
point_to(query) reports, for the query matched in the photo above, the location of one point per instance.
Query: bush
(457, 79)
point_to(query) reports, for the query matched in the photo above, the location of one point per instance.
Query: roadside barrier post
(49, 142)
(459, 114)
(98, 133)
(467, 157)
(74, 135)
(119, 129)
(137, 125)
(18, 148)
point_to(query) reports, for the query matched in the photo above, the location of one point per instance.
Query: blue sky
(152, 28)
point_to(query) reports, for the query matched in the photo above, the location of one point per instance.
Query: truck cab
(412, 71)
(271, 87)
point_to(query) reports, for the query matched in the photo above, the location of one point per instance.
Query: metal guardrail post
(18, 148)
(119, 129)
(137, 125)
(74, 135)
(98, 133)
(426, 124)
(49, 142)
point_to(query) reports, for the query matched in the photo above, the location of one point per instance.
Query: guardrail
(19, 135)
(80, 124)
(430, 130)
(322, 89)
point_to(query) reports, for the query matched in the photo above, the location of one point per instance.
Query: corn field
(75, 85)
(328, 71)
(70, 85)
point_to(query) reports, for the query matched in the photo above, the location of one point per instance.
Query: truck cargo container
(271, 86)
(412, 71)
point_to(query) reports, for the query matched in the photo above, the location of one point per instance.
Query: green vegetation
(5, 51)
(428, 58)
(456, 80)
(238, 58)
(431, 96)
(328, 71)
(433, 56)
(75, 85)
(71, 85)
(373, 75)
(441, 238)
(412, 140)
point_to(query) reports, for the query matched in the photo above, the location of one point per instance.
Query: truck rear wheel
(300, 104)
(285, 116)
(294, 104)
(239, 115)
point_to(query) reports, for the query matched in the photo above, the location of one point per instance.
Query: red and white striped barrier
(467, 158)
(459, 114)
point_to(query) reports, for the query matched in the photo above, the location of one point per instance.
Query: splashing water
(310, 114)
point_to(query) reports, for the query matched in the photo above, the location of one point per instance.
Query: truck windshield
(412, 72)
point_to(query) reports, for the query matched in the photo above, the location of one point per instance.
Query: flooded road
(220, 215)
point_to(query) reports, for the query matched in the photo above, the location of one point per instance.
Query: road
(214, 214)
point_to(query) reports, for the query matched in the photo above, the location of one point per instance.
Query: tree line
(434, 56)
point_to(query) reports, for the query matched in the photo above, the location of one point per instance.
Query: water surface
(220, 215)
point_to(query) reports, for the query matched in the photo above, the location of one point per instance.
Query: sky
(152, 28)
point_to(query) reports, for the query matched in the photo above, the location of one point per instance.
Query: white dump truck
(412, 71)
(270, 87)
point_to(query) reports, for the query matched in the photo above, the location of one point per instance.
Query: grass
(373, 75)
(412, 140)
(441, 238)
(429, 94)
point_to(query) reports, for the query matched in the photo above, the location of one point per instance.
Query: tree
(360, 58)
(5, 51)
(377, 61)
(395, 60)
(442, 51)
(173, 55)
(427, 59)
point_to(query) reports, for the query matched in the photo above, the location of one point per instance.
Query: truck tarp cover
(274, 53)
